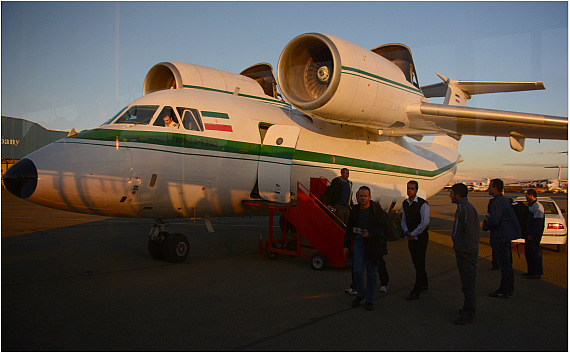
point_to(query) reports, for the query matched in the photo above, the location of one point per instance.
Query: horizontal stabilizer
(479, 87)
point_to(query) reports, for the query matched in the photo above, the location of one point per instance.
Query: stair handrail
(330, 213)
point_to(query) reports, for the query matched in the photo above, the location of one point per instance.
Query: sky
(75, 64)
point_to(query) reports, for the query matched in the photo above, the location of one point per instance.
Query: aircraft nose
(22, 178)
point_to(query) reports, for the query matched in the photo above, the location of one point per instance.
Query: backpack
(521, 211)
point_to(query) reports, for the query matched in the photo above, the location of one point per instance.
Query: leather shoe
(533, 277)
(461, 313)
(413, 296)
(369, 306)
(356, 301)
(497, 294)
(463, 321)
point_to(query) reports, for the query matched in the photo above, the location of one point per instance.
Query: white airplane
(479, 186)
(557, 185)
(237, 140)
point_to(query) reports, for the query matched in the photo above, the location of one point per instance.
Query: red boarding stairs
(313, 221)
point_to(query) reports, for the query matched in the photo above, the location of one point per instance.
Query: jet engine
(332, 79)
(174, 75)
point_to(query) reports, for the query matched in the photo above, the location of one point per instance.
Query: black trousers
(418, 249)
(383, 272)
(533, 255)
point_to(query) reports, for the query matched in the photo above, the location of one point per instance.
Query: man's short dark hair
(364, 187)
(415, 183)
(460, 189)
(343, 169)
(497, 184)
(531, 192)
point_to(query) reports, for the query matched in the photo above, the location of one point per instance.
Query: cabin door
(275, 159)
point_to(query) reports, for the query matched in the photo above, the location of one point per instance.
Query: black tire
(155, 246)
(155, 249)
(175, 248)
(318, 261)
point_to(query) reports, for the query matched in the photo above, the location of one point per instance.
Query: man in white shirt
(415, 221)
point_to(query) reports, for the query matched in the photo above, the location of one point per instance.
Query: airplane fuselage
(246, 148)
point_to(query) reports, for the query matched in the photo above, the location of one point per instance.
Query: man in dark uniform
(415, 221)
(503, 225)
(532, 250)
(339, 195)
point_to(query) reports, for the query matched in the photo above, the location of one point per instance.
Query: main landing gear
(165, 246)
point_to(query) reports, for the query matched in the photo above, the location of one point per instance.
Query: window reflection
(140, 114)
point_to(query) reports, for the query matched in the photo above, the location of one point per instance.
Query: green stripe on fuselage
(248, 148)
(262, 99)
(380, 79)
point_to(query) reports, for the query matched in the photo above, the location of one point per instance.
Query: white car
(555, 231)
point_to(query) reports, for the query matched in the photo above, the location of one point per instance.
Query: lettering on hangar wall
(10, 142)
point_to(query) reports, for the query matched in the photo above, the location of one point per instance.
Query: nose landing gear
(165, 246)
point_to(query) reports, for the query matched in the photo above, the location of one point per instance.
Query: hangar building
(21, 137)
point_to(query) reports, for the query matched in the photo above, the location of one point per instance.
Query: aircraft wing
(460, 120)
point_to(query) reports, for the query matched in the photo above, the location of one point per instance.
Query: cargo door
(275, 159)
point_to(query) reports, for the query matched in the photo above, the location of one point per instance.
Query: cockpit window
(167, 118)
(139, 114)
(191, 119)
(114, 117)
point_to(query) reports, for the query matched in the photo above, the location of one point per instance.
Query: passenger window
(191, 119)
(141, 114)
(167, 118)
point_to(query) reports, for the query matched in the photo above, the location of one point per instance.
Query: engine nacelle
(335, 80)
(174, 75)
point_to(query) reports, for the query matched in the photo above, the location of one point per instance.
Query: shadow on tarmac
(92, 287)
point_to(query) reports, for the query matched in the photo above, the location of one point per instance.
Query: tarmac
(73, 282)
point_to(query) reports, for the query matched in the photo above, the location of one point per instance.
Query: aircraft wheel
(155, 247)
(318, 261)
(175, 248)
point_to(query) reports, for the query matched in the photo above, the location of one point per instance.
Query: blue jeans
(467, 267)
(502, 253)
(359, 262)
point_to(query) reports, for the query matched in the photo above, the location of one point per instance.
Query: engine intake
(308, 71)
(175, 75)
(335, 80)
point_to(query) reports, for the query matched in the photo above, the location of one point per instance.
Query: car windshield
(139, 114)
